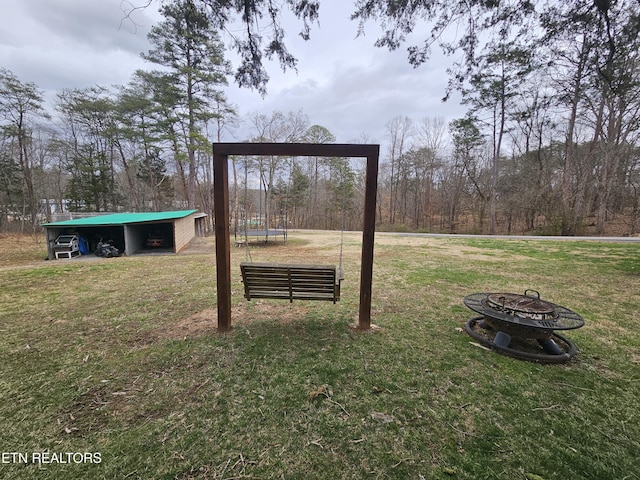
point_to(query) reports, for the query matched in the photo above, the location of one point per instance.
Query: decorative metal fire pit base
(561, 348)
(522, 326)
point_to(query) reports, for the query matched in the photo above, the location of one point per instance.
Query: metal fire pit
(509, 321)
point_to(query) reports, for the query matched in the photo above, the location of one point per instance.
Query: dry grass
(121, 356)
(19, 250)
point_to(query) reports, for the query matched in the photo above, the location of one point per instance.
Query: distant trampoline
(263, 235)
(266, 233)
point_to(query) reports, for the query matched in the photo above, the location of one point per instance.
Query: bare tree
(400, 131)
(432, 136)
(277, 127)
(21, 105)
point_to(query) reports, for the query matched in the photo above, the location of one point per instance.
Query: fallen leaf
(321, 390)
(383, 417)
(533, 476)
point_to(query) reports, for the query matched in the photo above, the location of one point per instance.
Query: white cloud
(99, 25)
(343, 83)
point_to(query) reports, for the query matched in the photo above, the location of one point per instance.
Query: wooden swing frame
(221, 152)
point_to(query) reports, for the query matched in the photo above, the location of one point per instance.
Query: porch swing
(291, 282)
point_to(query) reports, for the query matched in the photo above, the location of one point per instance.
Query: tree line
(549, 144)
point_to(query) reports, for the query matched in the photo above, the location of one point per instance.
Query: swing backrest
(290, 281)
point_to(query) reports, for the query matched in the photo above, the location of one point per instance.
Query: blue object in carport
(83, 245)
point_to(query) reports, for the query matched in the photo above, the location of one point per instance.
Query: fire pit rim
(562, 318)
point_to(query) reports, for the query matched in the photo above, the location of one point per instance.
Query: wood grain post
(368, 234)
(223, 247)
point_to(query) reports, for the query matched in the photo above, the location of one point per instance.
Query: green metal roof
(122, 218)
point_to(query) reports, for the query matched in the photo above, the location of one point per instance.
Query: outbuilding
(131, 233)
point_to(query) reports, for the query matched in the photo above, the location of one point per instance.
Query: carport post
(223, 247)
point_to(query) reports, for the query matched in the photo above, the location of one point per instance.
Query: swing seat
(291, 282)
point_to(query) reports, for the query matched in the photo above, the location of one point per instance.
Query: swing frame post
(368, 234)
(221, 152)
(223, 239)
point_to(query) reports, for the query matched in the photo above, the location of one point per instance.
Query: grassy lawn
(119, 358)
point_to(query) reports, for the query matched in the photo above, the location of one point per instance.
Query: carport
(129, 232)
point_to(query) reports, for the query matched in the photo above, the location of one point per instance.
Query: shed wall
(185, 230)
(134, 241)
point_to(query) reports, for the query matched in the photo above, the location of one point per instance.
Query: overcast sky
(343, 82)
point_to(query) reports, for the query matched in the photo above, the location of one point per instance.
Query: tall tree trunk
(496, 156)
(133, 191)
(27, 176)
(569, 213)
